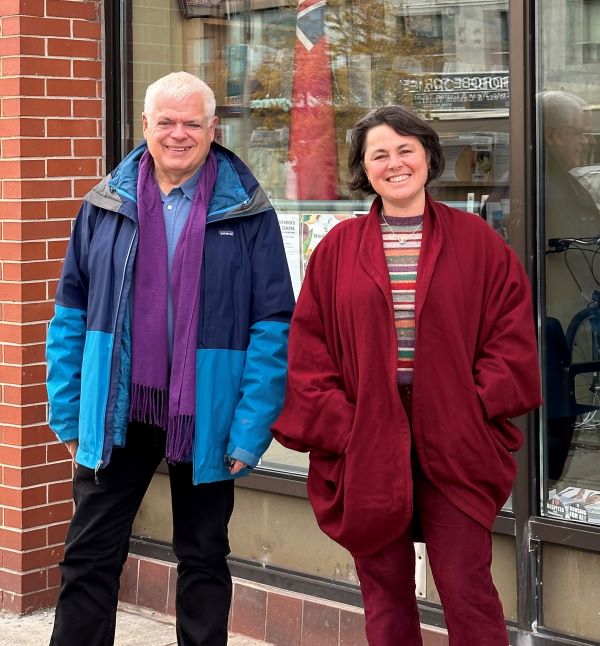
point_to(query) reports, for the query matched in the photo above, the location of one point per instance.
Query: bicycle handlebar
(558, 245)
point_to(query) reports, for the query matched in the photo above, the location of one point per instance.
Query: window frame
(530, 529)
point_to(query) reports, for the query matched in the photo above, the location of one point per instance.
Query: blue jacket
(247, 301)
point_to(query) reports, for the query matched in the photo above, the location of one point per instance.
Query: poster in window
(301, 234)
(315, 226)
(290, 232)
(574, 503)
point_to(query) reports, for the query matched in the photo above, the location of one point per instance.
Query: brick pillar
(50, 155)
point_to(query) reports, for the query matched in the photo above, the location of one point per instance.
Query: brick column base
(51, 154)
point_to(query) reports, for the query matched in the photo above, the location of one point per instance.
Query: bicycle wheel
(583, 339)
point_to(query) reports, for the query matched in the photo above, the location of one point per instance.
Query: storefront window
(568, 106)
(291, 79)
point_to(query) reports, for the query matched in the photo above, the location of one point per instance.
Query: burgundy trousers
(460, 553)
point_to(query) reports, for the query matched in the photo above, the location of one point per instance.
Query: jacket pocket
(505, 433)
(502, 431)
(326, 472)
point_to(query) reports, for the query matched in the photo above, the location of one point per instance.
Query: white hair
(179, 85)
(562, 109)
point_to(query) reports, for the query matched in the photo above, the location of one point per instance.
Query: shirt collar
(189, 186)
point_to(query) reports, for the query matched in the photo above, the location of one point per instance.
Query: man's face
(179, 135)
(571, 141)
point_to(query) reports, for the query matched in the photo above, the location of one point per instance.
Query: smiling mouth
(178, 149)
(397, 179)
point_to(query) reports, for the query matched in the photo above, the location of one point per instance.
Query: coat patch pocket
(326, 472)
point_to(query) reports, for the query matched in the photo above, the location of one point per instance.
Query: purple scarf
(167, 401)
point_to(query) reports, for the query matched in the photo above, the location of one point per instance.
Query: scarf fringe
(179, 438)
(149, 405)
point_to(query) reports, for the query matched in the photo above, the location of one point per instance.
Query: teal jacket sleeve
(264, 376)
(66, 335)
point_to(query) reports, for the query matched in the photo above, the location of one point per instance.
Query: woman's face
(397, 168)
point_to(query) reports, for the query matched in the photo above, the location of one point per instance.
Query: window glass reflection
(569, 119)
(292, 78)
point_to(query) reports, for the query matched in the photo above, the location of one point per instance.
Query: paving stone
(135, 627)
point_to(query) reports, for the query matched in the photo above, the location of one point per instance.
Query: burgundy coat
(476, 367)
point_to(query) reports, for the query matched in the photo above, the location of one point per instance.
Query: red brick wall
(50, 155)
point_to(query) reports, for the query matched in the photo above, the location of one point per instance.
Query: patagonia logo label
(226, 232)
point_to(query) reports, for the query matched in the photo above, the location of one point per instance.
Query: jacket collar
(236, 193)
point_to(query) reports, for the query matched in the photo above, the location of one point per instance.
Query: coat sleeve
(66, 335)
(317, 415)
(506, 370)
(263, 380)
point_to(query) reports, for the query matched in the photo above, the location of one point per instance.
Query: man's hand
(237, 466)
(72, 446)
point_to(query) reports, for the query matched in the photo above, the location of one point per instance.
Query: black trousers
(97, 545)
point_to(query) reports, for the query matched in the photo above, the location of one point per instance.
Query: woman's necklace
(400, 239)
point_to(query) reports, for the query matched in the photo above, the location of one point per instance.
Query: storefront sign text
(443, 92)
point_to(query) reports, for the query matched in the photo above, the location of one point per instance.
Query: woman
(412, 344)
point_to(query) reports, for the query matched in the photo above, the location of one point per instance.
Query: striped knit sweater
(402, 260)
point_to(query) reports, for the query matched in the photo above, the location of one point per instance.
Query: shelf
(474, 183)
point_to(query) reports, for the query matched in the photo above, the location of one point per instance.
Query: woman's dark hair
(404, 122)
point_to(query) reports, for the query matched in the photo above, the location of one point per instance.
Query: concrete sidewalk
(135, 627)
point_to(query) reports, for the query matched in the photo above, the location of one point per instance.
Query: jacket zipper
(105, 447)
(98, 467)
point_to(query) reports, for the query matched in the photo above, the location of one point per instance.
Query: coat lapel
(371, 255)
(430, 250)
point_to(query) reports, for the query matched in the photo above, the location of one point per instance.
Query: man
(570, 212)
(169, 340)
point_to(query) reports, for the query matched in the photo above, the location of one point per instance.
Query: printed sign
(449, 92)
